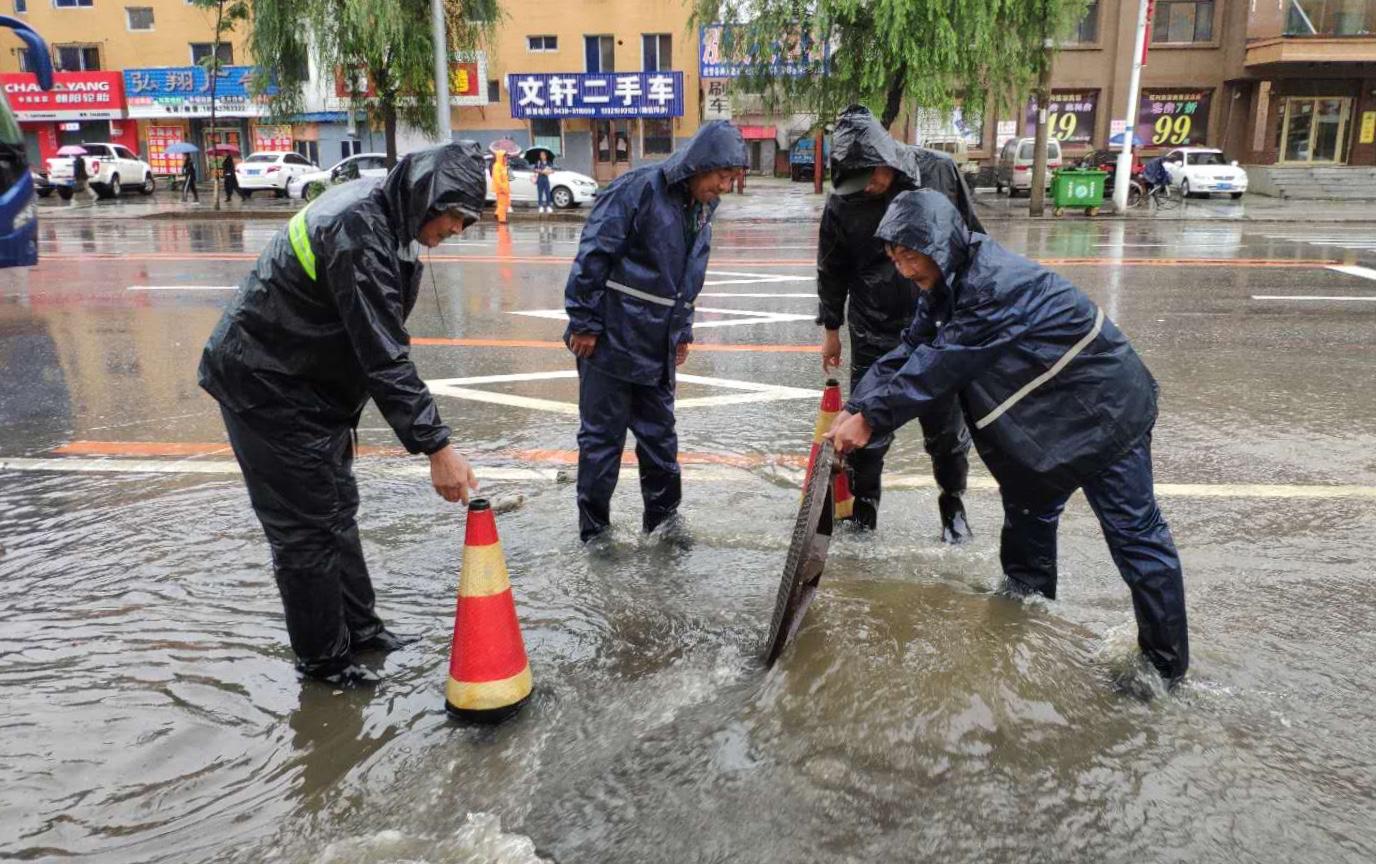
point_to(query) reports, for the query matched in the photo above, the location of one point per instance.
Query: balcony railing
(1331, 18)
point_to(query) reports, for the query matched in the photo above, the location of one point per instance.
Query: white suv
(270, 170)
(112, 169)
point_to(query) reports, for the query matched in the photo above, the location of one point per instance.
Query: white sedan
(567, 188)
(271, 171)
(1204, 170)
(313, 183)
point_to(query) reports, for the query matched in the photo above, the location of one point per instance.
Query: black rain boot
(385, 642)
(954, 529)
(864, 515)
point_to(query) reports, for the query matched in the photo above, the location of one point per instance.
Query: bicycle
(1156, 198)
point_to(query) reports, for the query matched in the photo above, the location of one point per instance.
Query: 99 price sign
(1173, 118)
(1070, 116)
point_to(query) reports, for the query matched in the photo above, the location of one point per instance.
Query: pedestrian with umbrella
(231, 180)
(81, 178)
(189, 178)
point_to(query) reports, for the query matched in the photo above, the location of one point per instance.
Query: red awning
(757, 133)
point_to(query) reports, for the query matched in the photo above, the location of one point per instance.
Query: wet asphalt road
(151, 713)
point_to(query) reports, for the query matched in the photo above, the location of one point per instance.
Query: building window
(1183, 21)
(600, 52)
(23, 55)
(21, 6)
(656, 54)
(1330, 18)
(494, 91)
(542, 43)
(544, 131)
(657, 136)
(77, 58)
(1087, 31)
(139, 17)
(73, 4)
(200, 51)
(350, 147)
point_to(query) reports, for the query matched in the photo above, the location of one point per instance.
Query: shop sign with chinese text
(611, 94)
(1174, 118)
(184, 91)
(1070, 116)
(75, 96)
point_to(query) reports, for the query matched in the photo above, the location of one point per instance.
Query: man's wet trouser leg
(656, 451)
(866, 465)
(1027, 547)
(945, 438)
(604, 414)
(1142, 547)
(303, 491)
(947, 441)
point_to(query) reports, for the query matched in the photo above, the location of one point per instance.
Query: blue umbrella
(182, 147)
(1117, 140)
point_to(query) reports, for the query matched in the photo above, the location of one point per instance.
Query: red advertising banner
(75, 96)
(273, 139)
(159, 139)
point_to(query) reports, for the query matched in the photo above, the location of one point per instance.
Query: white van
(1014, 169)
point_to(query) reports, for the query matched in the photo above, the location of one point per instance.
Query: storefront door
(611, 154)
(1315, 130)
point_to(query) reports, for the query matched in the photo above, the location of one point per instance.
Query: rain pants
(1056, 399)
(641, 262)
(318, 328)
(853, 266)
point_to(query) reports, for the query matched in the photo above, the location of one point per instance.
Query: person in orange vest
(501, 184)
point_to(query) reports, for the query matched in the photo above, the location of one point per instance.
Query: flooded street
(151, 712)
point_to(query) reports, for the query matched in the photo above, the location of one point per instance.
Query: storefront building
(172, 104)
(81, 107)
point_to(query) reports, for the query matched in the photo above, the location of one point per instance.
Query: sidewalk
(993, 207)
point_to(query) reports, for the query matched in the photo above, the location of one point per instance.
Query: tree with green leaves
(881, 53)
(384, 49)
(228, 15)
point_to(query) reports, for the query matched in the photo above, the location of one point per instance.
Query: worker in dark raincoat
(316, 330)
(629, 297)
(869, 169)
(1056, 397)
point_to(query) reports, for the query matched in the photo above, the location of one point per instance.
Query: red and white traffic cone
(843, 503)
(489, 675)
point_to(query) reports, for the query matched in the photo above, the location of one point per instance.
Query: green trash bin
(1072, 187)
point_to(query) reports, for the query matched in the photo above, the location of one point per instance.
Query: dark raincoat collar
(718, 144)
(429, 182)
(926, 221)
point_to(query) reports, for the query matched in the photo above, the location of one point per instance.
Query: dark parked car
(41, 184)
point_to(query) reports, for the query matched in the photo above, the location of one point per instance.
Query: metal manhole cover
(807, 555)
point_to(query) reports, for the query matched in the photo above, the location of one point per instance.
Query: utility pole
(1038, 191)
(818, 147)
(1123, 175)
(441, 70)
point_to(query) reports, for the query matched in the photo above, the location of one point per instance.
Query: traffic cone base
(489, 675)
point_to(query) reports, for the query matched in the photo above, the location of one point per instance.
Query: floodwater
(151, 712)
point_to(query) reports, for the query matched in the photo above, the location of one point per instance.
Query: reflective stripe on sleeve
(1045, 376)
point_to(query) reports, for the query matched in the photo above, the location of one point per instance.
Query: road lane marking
(698, 347)
(736, 317)
(182, 288)
(709, 472)
(812, 296)
(1353, 270)
(747, 391)
(1370, 299)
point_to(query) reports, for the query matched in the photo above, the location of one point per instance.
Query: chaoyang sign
(75, 96)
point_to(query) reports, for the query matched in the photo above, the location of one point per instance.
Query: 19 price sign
(1070, 116)
(1173, 118)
